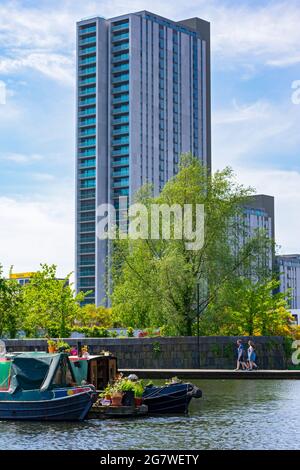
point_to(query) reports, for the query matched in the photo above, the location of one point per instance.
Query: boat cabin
(96, 370)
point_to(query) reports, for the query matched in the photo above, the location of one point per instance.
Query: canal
(233, 414)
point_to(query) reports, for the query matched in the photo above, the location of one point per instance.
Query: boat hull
(170, 399)
(68, 408)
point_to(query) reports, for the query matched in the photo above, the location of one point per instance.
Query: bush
(92, 332)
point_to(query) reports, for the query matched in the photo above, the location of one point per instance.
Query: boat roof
(32, 371)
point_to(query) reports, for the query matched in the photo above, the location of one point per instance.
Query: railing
(123, 151)
(121, 78)
(87, 50)
(120, 58)
(89, 29)
(120, 37)
(120, 162)
(119, 27)
(121, 47)
(119, 68)
(89, 40)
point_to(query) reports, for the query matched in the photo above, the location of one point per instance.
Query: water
(233, 414)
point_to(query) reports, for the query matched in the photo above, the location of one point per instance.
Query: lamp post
(198, 322)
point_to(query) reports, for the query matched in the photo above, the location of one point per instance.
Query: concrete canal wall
(214, 352)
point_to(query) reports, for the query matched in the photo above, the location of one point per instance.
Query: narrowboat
(42, 387)
(173, 398)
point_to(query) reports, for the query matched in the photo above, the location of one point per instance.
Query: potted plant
(62, 346)
(128, 388)
(116, 395)
(52, 346)
(138, 393)
(85, 351)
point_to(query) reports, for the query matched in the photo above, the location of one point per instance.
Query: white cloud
(242, 131)
(20, 158)
(37, 231)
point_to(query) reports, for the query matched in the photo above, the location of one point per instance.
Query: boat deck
(213, 374)
(102, 412)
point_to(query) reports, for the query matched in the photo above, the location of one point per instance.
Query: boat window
(63, 376)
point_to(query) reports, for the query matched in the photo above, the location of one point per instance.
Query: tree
(50, 304)
(248, 308)
(11, 301)
(155, 280)
(89, 315)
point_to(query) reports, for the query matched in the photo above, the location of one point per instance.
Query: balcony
(89, 29)
(88, 40)
(88, 131)
(87, 153)
(87, 173)
(123, 172)
(120, 37)
(121, 141)
(121, 98)
(87, 91)
(87, 70)
(86, 238)
(85, 81)
(120, 109)
(120, 88)
(121, 130)
(87, 111)
(120, 162)
(88, 60)
(120, 151)
(120, 192)
(124, 77)
(88, 184)
(120, 68)
(86, 101)
(120, 120)
(121, 47)
(120, 58)
(87, 122)
(119, 184)
(87, 50)
(90, 249)
(119, 27)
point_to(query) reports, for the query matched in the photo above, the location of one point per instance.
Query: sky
(255, 113)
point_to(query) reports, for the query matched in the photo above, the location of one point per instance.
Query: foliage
(130, 332)
(248, 308)
(11, 299)
(92, 332)
(49, 303)
(89, 315)
(155, 281)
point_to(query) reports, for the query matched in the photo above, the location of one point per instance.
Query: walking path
(213, 374)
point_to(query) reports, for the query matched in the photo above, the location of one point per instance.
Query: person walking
(240, 355)
(251, 356)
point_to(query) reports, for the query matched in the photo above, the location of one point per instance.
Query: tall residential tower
(143, 98)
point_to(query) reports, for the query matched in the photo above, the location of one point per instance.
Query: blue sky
(255, 60)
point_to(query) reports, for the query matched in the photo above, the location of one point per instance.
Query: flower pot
(128, 398)
(116, 399)
(51, 349)
(138, 401)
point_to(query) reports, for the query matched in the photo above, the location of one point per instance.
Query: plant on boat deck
(138, 389)
(52, 346)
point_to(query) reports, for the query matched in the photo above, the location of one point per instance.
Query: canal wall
(213, 352)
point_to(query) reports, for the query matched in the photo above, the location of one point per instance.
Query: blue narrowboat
(42, 387)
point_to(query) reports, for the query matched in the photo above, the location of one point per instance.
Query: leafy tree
(246, 307)
(50, 304)
(155, 280)
(89, 315)
(11, 300)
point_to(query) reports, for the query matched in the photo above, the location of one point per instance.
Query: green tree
(11, 301)
(248, 307)
(91, 315)
(50, 304)
(155, 281)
